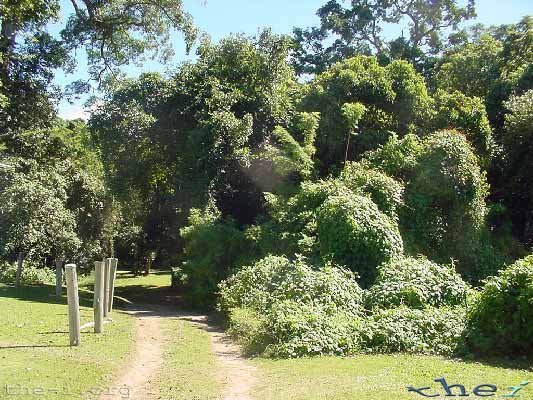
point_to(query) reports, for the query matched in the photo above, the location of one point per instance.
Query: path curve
(235, 374)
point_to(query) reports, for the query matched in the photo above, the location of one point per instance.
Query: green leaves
(293, 309)
(394, 99)
(289, 156)
(115, 33)
(416, 283)
(402, 329)
(467, 115)
(354, 233)
(353, 112)
(499, 321)
(34, 215)
(52, 195)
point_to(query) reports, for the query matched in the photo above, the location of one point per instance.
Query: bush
(445, 198)
(500, 321)
(289, 309)
(274, 279)
(304, 329)
(353, 232)
(31, 274)
(416, 283)
(214, 247)
(468, 115)
(386, 192)
(428, 331)
(397, 157)
(249, 328)
(292, 226)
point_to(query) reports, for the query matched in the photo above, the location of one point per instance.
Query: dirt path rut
(235, 374)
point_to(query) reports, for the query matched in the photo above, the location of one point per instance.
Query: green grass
(376, 377)
(151, 289)
(189, 369)
(35, 351)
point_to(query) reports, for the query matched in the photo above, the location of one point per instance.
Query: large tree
(171, 143)
(113, 33)
(358, 28)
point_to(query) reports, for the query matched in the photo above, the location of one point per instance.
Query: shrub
(468, 115)
(353, 232)
(500, 321)
(292, 228)
(274, 279)
(290, 309)
(250, 329)
(416, 283)
(445, 211)
(213, 248)
(31, 274)
(304, 329)
(397, 157)
(428, 331)
(386, 192)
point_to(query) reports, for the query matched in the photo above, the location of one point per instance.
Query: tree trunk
(528, 227)
(59, 277)
(7, 44)
(19, 269)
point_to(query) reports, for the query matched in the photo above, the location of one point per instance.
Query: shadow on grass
(500, 362)
(147, 294)
(43, 294)
(37, 346)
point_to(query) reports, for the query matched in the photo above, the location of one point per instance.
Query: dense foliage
(416, 283)
(290, 309)
(428, 331)
(31, 274)
(334, 192)
(499, 322)
(228, 248)
(353, 232)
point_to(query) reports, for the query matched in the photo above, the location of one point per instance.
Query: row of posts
(105, 273)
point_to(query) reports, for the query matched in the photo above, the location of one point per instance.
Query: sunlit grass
(375, 377)
(35, 352)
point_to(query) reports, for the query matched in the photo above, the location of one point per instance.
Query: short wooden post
(59, 277)
(107, 268)
(112, 277)
(73, 305)
(98, 297)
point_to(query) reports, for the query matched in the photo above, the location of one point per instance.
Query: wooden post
(112, 277)
(73, 305)
(107, 268)
(59, 277)
(19, 269)
(98, 297)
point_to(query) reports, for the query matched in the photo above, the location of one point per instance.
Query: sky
(220, 18)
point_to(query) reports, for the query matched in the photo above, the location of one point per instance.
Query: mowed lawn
(37, 363)
(379, 377)
(36, 360)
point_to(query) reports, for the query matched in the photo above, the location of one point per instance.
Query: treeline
(54, 200)
(221, 132)
(440, 170)
(343, 163)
